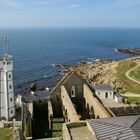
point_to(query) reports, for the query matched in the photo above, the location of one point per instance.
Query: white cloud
(47, 1)
(11, 3)
(73, 6)
(127, 3)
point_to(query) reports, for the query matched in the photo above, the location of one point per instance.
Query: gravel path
(127, 74)
(129, 94)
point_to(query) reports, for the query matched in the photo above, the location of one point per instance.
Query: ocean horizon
(35, 50)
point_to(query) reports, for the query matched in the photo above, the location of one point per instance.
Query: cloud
(127, 3)
(11, 3)
(47, 1)
(73, 6)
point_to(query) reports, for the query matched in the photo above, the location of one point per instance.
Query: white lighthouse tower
(7, 102)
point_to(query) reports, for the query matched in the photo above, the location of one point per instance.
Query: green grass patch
(57, 127)
(133, 100)
(6, 134)
(135, 91)
(135, 73)
(127, 84)
(60, 120)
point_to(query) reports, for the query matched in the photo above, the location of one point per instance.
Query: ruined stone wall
(56, 101)
(75, 81)
(30, 108)
(92, 104)
(70, 80)
(50, 114)
(69, 111)
(27, 113)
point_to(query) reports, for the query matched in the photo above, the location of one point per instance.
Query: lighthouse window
(11, 99)
(11, 111)
(9, 62)
(9, 75)
(10, 86)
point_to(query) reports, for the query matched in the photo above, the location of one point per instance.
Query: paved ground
(111, 103)
(81, 133)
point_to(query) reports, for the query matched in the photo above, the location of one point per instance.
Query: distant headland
(133, 51)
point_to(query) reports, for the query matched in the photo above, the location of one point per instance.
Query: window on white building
(11, 99)
(73, 91)
(106, 94)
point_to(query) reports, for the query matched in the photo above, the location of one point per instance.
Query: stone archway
(92, 112)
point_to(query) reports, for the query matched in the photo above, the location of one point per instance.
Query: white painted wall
(118, 99)
(102, 94)
(6, 88)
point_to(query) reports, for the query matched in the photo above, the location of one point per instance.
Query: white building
(106, 92)
(7, 103)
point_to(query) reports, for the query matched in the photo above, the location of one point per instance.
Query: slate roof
(116, 128)
(66, 78)
(105, 87)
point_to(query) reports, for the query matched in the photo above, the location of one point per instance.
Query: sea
(36, 51)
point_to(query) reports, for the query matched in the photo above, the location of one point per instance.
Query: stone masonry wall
(93, 105)
(69, 111)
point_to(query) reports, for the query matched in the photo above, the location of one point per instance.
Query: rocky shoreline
(102, 72)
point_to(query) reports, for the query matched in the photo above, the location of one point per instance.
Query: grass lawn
(135, 73)
(6, 134)
(133, 100)
(57, 127)
(135, 91)
(129, 85)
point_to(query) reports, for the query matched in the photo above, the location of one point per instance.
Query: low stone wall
(69, 111)
(67, 126)
(66, 134)
(93, 105)
(130, 110)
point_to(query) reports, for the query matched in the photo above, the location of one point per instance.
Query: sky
(69, 13)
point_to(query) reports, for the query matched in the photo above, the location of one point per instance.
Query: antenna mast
(5, 40)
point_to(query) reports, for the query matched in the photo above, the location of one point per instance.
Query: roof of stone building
(116, 128)
(39, 95)
(105, 87)
(66, 78)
